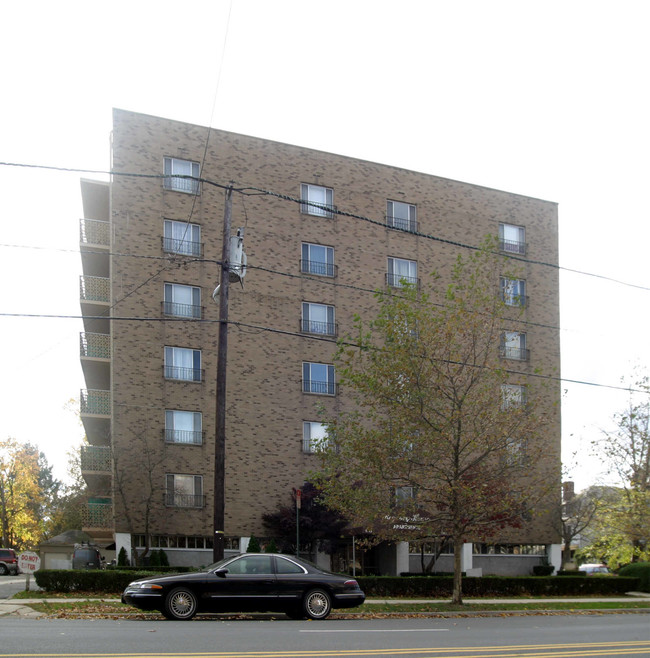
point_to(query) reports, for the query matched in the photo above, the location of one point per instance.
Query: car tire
(3, 570)
(180, 603)
(317, 604)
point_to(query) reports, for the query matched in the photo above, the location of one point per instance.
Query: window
(513, 291)
(513, 396)
(183, 363)
(285, 566)
(401, 271)
(314, 436)
(318, 319)
(184, 491)
(182, 301)
(401, 215)
(175, 167)
(181, 238)
(513, 346)
(317, 200)
(512, 238)
(183, 427)
(317, 260)
(404, 493)
(318, 378)
(251, 565)
(515, 452)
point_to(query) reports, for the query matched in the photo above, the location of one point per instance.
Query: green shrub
(640, 570)
(271, 547)
(164, 560)
(122, 558)
(254, 545)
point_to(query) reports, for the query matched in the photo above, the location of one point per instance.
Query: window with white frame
(183, 427)
(513, 396)
(512, 238)
(318, 319)
(515, 452)
(179, 175)
(404, 493)
(402, 271)
(318, 378)
(181, 238)
(317, 259)
(513, 346)
(184, 490)
(182, 301)
(401, 215)
(316, 200)
(183, 364)
(314, 436)
(513, 291)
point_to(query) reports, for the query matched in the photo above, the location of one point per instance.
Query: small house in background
(57, 553)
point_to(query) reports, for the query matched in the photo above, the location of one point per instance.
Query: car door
(292, 580)
(246, 583)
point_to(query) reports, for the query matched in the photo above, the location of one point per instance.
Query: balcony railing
(97, 515)
(96, 458)
(314, 327)
(318, 209)
(184, 247)
(94, 231)
(514, 353)
(398, 280)
(95, 402)
(182, 184)
(176, 310)
(174, 499)
(402, 224)
(94, 288)
(183, 374)
(514, 300)
(512, 246)
(319, 387)
(96, 346)
(319, 268)
(192, 437)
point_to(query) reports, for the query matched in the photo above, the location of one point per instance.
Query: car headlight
(136, 585)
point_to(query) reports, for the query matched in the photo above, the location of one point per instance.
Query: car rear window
(6, 554)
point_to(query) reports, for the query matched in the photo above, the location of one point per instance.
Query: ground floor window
(509, 549)
(181, 541)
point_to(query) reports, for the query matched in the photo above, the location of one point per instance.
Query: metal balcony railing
(192, 437)
(174, 499)
(94, 231)
(514, 300)
(512, 246)
(319, 387)
(182, 184)
(398, 280)
(183, 374)
(97, 346)
(319, 268)
(96, 458)
(402, 223)
(184, 247)
(95, 402)
(318, 209)
(94, 288)
(314, 327)
(176, 310)
(97, 515)
(514, 353)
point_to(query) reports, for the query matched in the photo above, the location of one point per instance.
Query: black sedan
(262, 582)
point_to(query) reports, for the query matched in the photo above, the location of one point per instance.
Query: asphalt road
(10, 585)
(563, 636)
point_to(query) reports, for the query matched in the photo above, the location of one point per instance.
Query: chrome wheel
(180, 603)
(317, 604)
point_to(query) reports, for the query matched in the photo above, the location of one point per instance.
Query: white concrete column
(123, 540)
(554, 553)
(402, 557)
(466, 557)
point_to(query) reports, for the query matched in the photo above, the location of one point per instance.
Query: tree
(626, 451)
(28, 492)
(443, 442)
(320, 527)
(576, 515)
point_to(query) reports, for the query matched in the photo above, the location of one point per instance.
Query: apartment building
(150, 246)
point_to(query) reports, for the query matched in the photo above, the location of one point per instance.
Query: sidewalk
(20, 607)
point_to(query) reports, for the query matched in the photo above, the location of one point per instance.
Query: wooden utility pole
(220, 420)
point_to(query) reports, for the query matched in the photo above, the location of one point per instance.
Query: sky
(545, 99)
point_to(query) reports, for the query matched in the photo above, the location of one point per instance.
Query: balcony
(175, 499)
(322, 328)
(512, 246)
(97, 517)
(514, 353)
(179, 373)
(95, 353)
(319, 387)
(318, 268)
(95, 299)
(95, 407)
(520, 301)
(402, 224)
(186, 437)
(96, 467)
(176, 310)
(183, 247)
(399, 280)
(94, 232)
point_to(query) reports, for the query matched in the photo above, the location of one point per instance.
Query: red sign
(298, 497)
(29, 562)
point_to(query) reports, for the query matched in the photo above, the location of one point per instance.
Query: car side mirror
(221, 573)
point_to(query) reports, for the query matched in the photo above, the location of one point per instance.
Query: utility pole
(220, 420)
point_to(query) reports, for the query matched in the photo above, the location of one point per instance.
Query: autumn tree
(444, 441)
(28, 491)
(576, 515)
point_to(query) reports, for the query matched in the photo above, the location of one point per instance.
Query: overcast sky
(546, 99)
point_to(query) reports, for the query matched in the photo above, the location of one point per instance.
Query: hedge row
(101, 581)
(496, 586)
(640, 570)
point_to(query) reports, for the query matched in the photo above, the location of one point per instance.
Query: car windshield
(226, 561)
